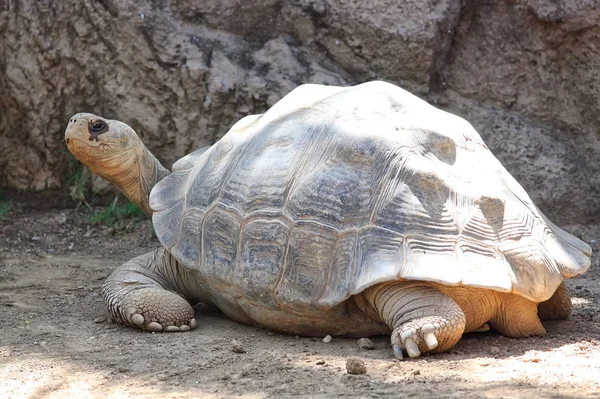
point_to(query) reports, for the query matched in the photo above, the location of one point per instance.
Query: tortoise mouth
(76, 141)
(85, 151)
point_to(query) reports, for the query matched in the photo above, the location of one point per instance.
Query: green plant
(78, 182)
(121, 217)
(5, 205)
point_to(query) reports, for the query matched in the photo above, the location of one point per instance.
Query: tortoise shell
(335, 189)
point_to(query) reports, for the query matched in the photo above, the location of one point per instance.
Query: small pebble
(327, 339)
(365, 343)
(237, 348)
(320, 362)
(101, 319)
(62, 218)
(355, 366)
(416, 372)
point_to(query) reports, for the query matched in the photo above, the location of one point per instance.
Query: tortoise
(344, 211)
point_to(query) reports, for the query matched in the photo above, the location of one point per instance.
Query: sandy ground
(55, 339)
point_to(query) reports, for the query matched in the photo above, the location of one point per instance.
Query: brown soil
(55, 340)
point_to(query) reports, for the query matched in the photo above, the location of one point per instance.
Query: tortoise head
(112, 150)
(99, 143)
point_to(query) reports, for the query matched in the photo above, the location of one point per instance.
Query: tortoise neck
(135, 173)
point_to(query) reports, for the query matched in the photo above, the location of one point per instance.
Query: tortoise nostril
(67, 140)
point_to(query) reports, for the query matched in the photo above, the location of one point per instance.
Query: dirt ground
(55, 339)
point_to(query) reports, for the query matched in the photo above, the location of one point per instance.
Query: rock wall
(181, 72)
(534, 66)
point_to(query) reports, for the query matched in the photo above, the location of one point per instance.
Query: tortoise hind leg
(422, 319)
(558, 307)
(139, 293)
(516, 316)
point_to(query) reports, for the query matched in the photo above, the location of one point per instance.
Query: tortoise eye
(98, 126)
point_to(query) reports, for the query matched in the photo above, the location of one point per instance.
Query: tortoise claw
(412, 348)
(398, 351)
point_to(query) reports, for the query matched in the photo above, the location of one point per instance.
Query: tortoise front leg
(141, 293)
(558, 307)
(422, 318)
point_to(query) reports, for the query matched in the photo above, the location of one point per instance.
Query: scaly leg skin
(516, 317)
(558, 307)
(141, 294)
(422, 319)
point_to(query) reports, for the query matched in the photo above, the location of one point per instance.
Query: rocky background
(181, 72)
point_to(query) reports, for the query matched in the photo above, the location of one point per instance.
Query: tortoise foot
(426, 334)
(154, 309)
(141, 294)
(422, 318)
